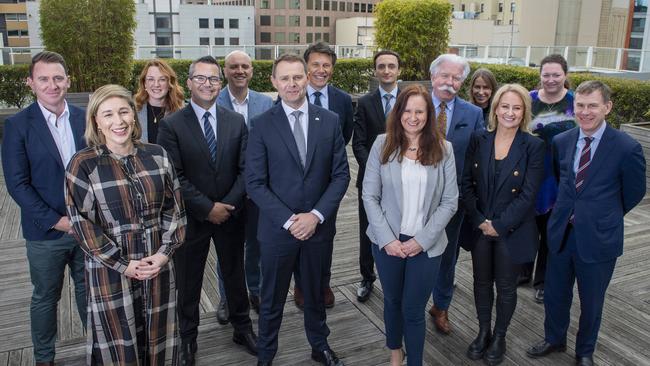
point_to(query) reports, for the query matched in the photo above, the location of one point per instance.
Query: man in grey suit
(249, 103)
(457, 119)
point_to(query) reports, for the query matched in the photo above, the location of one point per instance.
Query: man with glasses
(206, 142)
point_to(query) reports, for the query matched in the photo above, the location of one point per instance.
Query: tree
(416, 29)
(94, 36)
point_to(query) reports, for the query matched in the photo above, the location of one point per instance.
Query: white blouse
(414, 182)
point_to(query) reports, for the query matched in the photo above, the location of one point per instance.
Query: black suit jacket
(513, 195)
(203, 182)
(340, 103)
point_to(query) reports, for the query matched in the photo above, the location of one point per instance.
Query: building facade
(14, 31)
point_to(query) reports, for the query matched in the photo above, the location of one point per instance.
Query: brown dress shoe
(440, 319)
(298, 298)
(328, 297)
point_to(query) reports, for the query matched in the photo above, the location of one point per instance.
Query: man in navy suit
(238, 97)
(38, 144)
(601, 177)
(297, 173)
(457, 119)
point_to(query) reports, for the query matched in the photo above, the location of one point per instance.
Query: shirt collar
(323, 91)
(200, 112)
(393, 92)
(47, 114)
(436, 102)
(596, 135)
(234, 100)
(288, 109)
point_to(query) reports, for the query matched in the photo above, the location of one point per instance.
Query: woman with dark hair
(503, 169)
(410, 194)
(158, 95)
(552, 113)
(482, 87)
(127, 213)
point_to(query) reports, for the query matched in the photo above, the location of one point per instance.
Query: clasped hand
(220, 213)
(487, 229)
(146, 268)
(303, 225)
(409, 248)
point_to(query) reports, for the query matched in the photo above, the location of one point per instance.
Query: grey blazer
(382, 199)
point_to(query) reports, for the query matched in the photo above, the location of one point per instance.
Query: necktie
(585, 159)
(441, 120)
(387, 105)
(299, 135)
(317, 98)
(210, 137)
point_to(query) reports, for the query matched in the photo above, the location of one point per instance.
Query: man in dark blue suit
(38, 144)
(601, 177)
(297, 173)
(457, 119)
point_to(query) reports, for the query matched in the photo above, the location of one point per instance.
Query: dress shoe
(539, 296)
(328, 297)
(364, 290)
(222, 313)
(496, 350)
(264, 363)
(188, 350)
(255, 302)
(49, 363)
(544, 348)
(248, 340)
(477, 349)
(584, 361)
(326, 357)
(440, 319)
(298, 298)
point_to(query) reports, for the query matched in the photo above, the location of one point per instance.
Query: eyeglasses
(154, 80)
(201, 79)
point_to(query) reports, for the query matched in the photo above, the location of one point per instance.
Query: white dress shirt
(241, 108)
(414, 184)
(199, 111)
(61, 132)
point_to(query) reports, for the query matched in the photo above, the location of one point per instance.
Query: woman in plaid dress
(127, 213)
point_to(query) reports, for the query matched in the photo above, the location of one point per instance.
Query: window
(279, 4)
(265, 37)
(279, 21)
(636, 43)
(310, 37)
(326, 37)
(204, 41)
(638, 24)
(500, 7)
(203, 23)
(233, 24)
(264, 4)
(310, 21)
(462, 7)
(369, 8)
(280, 37)
(218, 23)
(349, 7)
(265, 20)
(294, 37)
(163, 41)
(294, 21)
(316, 37)
(510, 22)
(15, 17)
(310, 4)
(317, 5)
(163, 22)
(318, 21)
(219, 41)
(334, 5)
(512, 7)
(17, 33)
(326, 21)
(363, 7)
(234, 41)
(482, 7)
(326, 5)
(294, 4)
(356, 7)
(498, 21)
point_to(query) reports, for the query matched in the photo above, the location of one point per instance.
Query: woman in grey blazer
(410, 194)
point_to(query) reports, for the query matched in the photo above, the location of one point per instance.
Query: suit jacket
(340, 103)
(277, 182)
(466, 119)
(369, 121)
(142, 119)
(513, 194)
(203, 182)
(614, 184)
(258, 103)
(382, 199)
(33, 169)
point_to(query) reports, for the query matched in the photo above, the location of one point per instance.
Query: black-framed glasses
(201, 79)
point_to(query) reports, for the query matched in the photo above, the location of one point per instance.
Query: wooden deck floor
(356, 329)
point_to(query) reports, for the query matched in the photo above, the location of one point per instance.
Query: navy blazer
(514, 194)
(277, 182)
(614, 184)
(33, 169)
(340, 103)
(466, 119)
(258, 103)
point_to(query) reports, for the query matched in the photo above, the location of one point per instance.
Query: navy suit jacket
(277, 182)
(466, 119)
(512, 198)
(340, 103)
(33, 169)
(258, 103)
(614, 184)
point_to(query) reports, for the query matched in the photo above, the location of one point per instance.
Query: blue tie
(210, 138)
(317, 98)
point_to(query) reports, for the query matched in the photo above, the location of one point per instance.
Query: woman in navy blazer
(503, 171)
(410, 194)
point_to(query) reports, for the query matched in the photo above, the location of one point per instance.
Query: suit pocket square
(461, 125)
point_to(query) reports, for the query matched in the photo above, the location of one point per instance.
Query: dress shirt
(393, 92)
(304, 118)
(199, 111)
(324, 100)
(61, 132)
(241, 108)
(598, 135)
(449, 109)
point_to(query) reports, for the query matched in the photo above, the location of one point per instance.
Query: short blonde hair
(93, 136)
(522, 93)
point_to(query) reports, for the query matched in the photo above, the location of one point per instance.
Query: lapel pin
(516, 173)
(317, 118)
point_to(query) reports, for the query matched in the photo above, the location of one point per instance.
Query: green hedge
(14, 91)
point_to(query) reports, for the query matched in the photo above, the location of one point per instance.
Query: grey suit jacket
(258, 103)
(142, 119)
(382, 199)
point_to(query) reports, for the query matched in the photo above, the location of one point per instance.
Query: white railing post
(528, 50)
(137, 52)
(173, 51)
(641, 61)
(619, 58)
(11, 55)
(566, 53)
(276, 50)
(487, 52)
(590, 56)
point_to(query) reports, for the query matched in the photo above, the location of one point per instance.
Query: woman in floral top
(127, 213)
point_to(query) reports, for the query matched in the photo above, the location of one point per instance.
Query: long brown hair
(174, 99)
(432, 142)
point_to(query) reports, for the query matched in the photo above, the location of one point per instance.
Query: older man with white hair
(457, 119)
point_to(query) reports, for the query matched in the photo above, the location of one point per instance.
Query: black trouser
(542, 253)
(366, 261)
(492, 265)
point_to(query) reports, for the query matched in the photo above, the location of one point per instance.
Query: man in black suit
(210, 167)
(320, 59)
(370, 121)
(297, 173)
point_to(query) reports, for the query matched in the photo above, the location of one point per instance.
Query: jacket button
(516, 173)
(475, 165)
(514, 190)
(474, 182)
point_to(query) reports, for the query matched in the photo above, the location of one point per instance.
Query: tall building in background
(637, 36)
(14, 31)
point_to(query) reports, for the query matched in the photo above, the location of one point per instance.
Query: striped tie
(585, 159)
(387, 105)
(210, 138)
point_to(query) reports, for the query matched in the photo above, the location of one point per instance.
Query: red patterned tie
(585, 159)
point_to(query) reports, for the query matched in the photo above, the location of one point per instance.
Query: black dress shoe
(264, 363)
(255, 302)
(584, 361)
(326, 357)
(539, 296)
(544, 348)
(188, 350)
(364, 290)
(495, 352)
(477, 349)
(222, 313)
(248, 340)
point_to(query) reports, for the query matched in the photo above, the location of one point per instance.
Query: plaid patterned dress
(122, 209)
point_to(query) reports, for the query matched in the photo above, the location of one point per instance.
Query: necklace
(156, 116)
